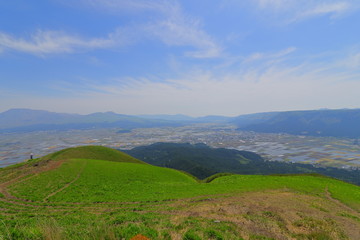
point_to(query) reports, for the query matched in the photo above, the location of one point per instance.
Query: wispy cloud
(203, 94)
(275, 4)
(260, 60)
(169, 24)
(352, 61)
(181, 31)
(124, 6)
(271, 56)
(257, 88)
(50, 42)
(298, 10)
(333, 9)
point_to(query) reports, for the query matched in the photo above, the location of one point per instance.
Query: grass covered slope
(90, 180)
(71, 197)
(92, 152)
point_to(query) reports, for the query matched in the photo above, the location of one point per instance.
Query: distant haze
(336, 123)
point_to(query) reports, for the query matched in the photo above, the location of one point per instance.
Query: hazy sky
(195, 57)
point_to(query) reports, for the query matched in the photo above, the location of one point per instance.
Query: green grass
(106, 181)
(93, 152)
(345, 192)
(38, 187)
(116, 198)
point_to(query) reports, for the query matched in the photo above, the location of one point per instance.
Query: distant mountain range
(337, 123)
(17, 120)
(184, 118)
(26, 120)
(203, 161)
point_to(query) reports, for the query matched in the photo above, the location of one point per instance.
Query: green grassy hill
(100, 193)
(92, 152)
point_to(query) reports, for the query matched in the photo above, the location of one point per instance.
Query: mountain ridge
(328, 122)
(15, 120)
(335, 123)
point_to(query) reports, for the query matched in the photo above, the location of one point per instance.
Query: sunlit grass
(106, 199)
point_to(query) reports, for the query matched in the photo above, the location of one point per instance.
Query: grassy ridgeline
(92, 152)
(105, 181)
(78, 196)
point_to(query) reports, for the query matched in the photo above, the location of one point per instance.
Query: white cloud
(170, 25)
(124, 6)
(275, 4)
(204, 94)
(272, 56)
(298, 10)
(49, 42)
(259, 60)
(355, 61)
(352, 61)
(335, 9)
(181, 31)
(251, 89)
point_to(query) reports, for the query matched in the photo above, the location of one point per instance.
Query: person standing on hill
(31, 156)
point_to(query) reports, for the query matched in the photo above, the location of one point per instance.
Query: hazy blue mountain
(176, 117)
(324, 122)
(215, 119)
(181, 117)
(26, 117)
(251, 119)
(15, 120)
(337, 123)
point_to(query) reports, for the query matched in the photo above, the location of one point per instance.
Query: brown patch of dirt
(140, 237)
(279, 214)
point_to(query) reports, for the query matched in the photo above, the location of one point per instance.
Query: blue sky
(202, 57)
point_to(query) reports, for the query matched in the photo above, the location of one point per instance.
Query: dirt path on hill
(68, 184)
(276, 214)
(339, 203)
(35, 169)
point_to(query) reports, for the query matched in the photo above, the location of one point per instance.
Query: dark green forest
(203, 161)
